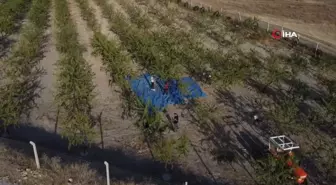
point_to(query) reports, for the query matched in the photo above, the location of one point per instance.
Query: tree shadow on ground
(123, 165)
(309, 100)
(221, 133)
(269, 91)
(314, 175)
(253, 145)
(244, 109)
(224, 146)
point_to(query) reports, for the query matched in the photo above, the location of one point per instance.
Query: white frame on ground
(283, 143)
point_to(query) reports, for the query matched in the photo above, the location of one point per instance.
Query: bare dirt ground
(310, 17)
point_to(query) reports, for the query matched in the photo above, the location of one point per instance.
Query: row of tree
(21, 70)
(74, 80)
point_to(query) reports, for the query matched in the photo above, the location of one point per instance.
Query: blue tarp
(141, 87)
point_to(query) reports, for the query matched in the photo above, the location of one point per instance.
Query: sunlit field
(63, 73)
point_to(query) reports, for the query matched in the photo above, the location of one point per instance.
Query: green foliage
(251, 23)
(184, 50)
(151, 121)
(165, 19)
(328, 159)
(272, 171)
(164, 151)
(275, 71)
(74, 80)
(118, 66)
(88, 14)
(171, 150)
(299, 91)
(285, 115)
(182, 145)
(117, 63)
(153, 51)
(298, 63)
(76, 127)
(10, 12)
(22, 72)
(233, 68)
(137, 16)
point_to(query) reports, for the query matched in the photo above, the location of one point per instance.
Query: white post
(186, 183)
(221, 10)
(190, 3)
(239, 16)
(107, 173)
(35, 154)
(267, 26)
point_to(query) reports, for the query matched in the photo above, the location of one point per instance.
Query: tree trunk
(101, 130)
(56, 122)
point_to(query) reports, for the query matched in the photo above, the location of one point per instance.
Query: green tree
(10, 12)
(74, 81)
(21, 84)
(273, 171)
(171, 150)
(298, 63)
(151, 121)
(275, 72)
(286, 114)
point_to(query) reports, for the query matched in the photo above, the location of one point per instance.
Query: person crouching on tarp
(152, 83)
(166, 87)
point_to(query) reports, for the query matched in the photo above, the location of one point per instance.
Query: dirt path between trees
(117, 132)
(45, 113)
(102, 21)
(106, 100)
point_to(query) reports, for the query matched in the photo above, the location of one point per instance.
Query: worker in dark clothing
(256, 118)
(166, 87)
(176, 120)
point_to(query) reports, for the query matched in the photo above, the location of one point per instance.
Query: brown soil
(309, 17)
